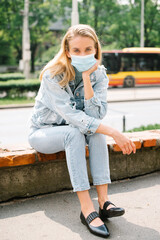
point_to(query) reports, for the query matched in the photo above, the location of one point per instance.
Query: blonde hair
(61, 63)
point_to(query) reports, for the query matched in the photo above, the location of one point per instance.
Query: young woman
(67, 115)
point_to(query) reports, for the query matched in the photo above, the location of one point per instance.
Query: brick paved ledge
(25, 172)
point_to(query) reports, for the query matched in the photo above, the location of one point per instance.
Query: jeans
(59, 138)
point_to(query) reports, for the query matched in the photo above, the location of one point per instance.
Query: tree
(100, 15)
(126, 28)
(152, 24)
(11, 27)
(119, 25)
(11, 21)
(40, 16)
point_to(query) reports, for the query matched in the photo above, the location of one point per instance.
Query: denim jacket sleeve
(97, 105)
(58, 100)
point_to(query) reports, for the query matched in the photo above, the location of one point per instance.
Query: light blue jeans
(60, 138)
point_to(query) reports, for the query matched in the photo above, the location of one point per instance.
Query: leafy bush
(19, 88)
(16, 100)
(143, 128)
(11, 76)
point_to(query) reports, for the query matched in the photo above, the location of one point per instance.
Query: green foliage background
(117, 26)
(144, 128)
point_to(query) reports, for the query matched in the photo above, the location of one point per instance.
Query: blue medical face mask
(83, 63)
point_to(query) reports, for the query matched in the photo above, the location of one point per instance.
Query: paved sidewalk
(114, 95)
(56, 216)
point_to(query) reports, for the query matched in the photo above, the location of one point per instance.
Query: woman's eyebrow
(86, 47)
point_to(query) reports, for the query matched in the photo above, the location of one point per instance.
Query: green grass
(23, 100)
(148, 127)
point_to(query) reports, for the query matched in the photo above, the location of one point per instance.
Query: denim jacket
(56, 105)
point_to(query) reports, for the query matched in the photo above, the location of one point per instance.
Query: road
(137, 93)
(136, 114)
(14, 122)
(56, 216)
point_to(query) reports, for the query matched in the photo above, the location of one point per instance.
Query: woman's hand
(88, 90)
(92, 69)
(126, 145)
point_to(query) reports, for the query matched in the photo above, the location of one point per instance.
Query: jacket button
(89, 131)
(77, 94)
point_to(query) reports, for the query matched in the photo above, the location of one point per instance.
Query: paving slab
(56, 215)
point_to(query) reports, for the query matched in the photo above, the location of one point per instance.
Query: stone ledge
(19, 156)
(9, 159)
(25, 172)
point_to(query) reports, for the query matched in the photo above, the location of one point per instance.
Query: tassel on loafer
(101, 231)
(112, 212)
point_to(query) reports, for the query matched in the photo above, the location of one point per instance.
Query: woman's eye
(88, 49)
(76, 50)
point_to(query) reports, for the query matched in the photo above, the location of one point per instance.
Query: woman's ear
(68, 54)
(95, 52)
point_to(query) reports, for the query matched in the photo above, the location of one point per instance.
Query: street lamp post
(75, 15)
(142, 24)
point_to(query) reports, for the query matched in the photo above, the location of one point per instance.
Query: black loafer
(112, 212)
(101, 231)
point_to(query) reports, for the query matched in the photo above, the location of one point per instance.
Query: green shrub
(143, 128)
(19, 88)
(11, 76)
(16, 100)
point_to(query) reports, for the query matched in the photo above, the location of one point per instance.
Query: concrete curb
(12, 106)
(25, 172)
(30, 105)
(18, 156)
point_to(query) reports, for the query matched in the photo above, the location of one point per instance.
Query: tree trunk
(33, 53)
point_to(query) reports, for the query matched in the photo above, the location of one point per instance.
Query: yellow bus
(132, 66)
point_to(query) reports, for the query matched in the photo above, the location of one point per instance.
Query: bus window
(156, 64)
(148, 62)
(144, 62)
(111, 62)
(128, 63)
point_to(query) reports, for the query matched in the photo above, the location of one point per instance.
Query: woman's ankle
(86, 210)
(102, 200)
(86, 202)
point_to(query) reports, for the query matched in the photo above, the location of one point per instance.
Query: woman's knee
(32, 139)
(96, 138)
(73, 134)
(38, 140)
